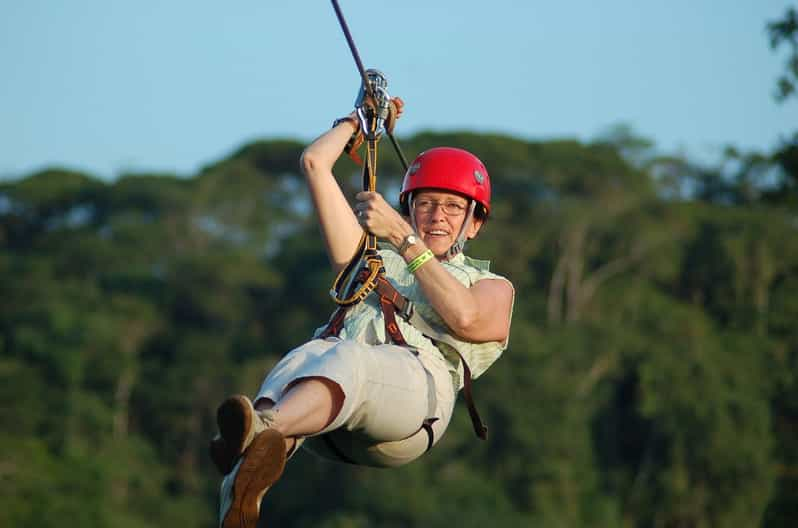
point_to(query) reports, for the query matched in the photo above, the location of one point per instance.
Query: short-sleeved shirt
(364, 322)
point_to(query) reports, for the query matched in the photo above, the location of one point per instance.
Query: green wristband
(419, 261)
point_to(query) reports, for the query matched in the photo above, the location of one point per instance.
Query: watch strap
(408, 241)
(345, 119)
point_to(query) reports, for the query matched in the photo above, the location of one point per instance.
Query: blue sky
(111, 86)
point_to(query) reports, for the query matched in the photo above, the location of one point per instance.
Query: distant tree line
(651, 378)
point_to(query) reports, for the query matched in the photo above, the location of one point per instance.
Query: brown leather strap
(390, 301)
(336, 323)
(353, 145)
(327, 438)
(389, 316)
(386, 289)
(479, 427)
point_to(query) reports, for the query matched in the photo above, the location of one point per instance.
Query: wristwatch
(408, 241)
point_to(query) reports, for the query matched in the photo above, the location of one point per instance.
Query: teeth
(438, 233)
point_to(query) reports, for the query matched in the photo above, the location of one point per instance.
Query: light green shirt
(364, 322)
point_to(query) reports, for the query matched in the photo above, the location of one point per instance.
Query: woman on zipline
(353, 393)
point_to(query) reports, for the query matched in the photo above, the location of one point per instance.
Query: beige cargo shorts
(397, 401)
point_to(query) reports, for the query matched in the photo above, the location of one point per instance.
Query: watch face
(407, 242)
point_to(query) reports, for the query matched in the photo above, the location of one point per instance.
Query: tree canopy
(650, 379)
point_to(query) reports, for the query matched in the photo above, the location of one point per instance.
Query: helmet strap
(411, 207)
(460, 243)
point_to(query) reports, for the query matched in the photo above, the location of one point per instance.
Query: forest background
(651, 380)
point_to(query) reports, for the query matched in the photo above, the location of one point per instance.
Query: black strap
(336, 450)
(427, 426)
(480, 428)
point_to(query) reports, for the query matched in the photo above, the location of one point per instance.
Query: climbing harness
(365, 273)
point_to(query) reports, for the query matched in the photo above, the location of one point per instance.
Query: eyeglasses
(422, 205)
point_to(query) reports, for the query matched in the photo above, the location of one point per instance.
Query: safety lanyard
(350, 286)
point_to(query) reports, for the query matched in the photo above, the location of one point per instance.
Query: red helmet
(448, 169)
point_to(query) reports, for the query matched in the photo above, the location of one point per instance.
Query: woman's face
(439, 216)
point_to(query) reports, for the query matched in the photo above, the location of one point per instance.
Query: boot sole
(234, 418)
(221, 457)
(261, 467)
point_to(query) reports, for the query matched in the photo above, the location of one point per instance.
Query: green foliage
(785, 31)
(650, 379)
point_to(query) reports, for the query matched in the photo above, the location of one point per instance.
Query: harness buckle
(407, 310)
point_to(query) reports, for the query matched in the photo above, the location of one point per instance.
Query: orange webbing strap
(389, 316)
(357, 138)
(390, 301)
(336, 323)
(353, 145)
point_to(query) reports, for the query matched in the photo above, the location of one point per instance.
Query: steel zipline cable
(364, 77)
(365, 270)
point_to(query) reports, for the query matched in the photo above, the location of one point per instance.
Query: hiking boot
(238, 423)
(258, 469)
(222, 458)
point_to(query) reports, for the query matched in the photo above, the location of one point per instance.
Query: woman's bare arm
(339, 227)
